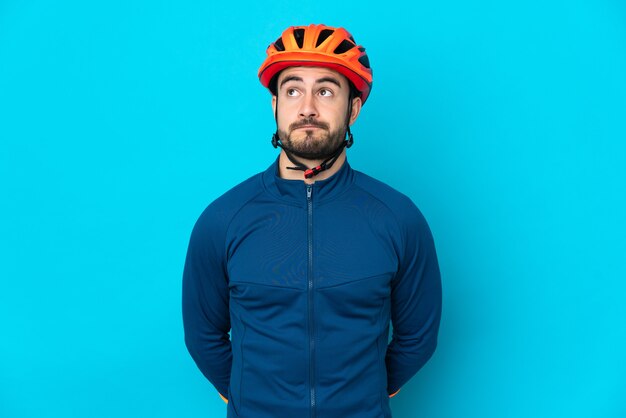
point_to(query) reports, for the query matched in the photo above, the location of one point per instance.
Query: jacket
(306, 278)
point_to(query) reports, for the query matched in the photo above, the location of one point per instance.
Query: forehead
(312, 74)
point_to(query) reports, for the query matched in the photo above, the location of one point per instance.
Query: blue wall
(505, 122)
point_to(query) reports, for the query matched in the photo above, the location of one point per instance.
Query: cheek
(337, 120)
(283, 122)
(335, 113)
(286, 115)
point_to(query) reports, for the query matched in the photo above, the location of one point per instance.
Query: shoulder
(411, 224)
(402, 207)
(218, 214)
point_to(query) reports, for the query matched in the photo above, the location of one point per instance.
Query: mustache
(308, 122)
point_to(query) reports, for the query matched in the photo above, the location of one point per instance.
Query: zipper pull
(308, 192)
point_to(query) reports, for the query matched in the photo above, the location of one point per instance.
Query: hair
(273, 84)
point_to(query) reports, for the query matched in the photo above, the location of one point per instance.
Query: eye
(326, 92)
(291, 92)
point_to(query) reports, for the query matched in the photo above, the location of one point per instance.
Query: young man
(307, 262)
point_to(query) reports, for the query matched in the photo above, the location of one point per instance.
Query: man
(307, 262)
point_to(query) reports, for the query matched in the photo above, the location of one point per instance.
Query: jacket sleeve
(205, 301)
(415, 302)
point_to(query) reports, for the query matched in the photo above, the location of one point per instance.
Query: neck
(288, 174)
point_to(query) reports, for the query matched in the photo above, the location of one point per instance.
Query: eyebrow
(319, 80)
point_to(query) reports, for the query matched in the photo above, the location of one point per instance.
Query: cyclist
(308, 262)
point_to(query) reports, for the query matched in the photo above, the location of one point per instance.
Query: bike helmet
(319, 46)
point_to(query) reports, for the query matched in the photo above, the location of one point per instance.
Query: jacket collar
(295, 190)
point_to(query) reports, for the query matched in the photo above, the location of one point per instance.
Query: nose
(307, 108)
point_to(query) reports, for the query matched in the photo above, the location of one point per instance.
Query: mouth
(308, 127)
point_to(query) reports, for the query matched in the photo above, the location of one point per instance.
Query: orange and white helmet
(319, 46)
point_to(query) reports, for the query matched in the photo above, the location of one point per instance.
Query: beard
(317, 144)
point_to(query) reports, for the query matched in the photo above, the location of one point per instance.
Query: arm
(415, 303)
(205, 301)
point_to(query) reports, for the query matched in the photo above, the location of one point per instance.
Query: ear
(273, 104)
(356, 109)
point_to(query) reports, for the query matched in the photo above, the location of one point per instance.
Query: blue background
(503, 121)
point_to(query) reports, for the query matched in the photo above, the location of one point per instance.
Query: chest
(328, 244)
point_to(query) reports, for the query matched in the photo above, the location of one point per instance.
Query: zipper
(310, 300)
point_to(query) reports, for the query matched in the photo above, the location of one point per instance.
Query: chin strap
(327, 163)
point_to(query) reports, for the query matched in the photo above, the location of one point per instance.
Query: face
(313, 110)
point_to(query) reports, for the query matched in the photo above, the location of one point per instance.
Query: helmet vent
(344, 46)
(365, 61)
(299, 35)
(279, 44)
(323, 36)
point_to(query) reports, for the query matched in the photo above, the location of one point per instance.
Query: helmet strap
(327, 163)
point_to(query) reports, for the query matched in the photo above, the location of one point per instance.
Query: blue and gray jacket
(306, 279)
